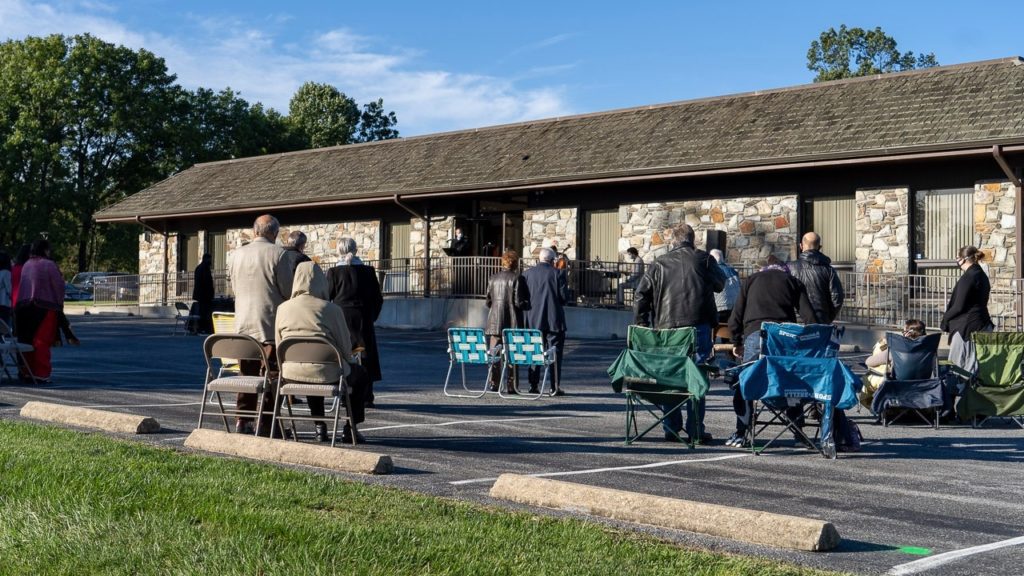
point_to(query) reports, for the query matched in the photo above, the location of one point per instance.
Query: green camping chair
(655, 370)
(997, 389)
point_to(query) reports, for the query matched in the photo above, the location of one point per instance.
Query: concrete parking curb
(288, 452)
(90, 418)
(735, 523)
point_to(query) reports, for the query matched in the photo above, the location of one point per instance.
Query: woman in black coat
(354, 287)
(507, 298)
(967, 311)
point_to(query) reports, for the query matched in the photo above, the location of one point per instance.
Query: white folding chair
(13, 352)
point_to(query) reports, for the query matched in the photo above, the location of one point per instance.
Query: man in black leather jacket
(679, 290)
(814, 269)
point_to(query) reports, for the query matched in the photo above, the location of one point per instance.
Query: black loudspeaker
(715, 239)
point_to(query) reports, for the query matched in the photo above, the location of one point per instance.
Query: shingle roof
(944, 108)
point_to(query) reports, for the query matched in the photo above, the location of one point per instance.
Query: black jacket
(768, 296)
(507, 298)
(824, 289)
(203, 290)
(679, 290)
(967, 311)
(356, 290)
(548, 294)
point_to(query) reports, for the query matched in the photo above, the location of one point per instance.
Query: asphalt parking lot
(912, 493)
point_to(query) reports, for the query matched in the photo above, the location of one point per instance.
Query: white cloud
(251, 59)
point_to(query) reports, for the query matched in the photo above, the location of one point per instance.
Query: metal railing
(883, 300)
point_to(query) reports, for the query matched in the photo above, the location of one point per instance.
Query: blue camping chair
(799, 366)
(912, 383)
(525, 347)
(468, 346)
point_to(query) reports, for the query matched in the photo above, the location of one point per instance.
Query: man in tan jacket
(261, 278)
(309, 312)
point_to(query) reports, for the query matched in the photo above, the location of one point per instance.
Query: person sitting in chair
(878, 362)
(309, 313)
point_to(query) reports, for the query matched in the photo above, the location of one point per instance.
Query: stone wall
(995, 221)
(151, 265)
(441, 231)
(542, 228)
(756, 227)
(883, 231)
(321, 239)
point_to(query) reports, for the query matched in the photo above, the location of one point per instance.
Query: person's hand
(737, 351)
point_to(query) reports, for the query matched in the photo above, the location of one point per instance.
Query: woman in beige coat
(309, 313)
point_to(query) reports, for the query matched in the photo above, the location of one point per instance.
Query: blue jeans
(673, 423)
(743, 408)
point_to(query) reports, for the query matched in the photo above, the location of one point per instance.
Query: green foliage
(323, 116)
(375, 124)
(851, 52)
(78, 503)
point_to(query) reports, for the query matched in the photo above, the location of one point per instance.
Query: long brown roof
(945, 108)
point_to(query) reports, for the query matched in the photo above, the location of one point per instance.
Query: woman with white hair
(354, 287)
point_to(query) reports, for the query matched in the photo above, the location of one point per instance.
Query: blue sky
(451, 65)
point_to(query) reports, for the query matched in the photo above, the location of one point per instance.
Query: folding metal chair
(657, 370)
(235, 347)
(184, 318)
(525, 347)
(314, 350)
(912, 383)
(996, 390)
(468, 346)
(12, 352)
(798, 367)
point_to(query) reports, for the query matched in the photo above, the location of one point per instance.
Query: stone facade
(441, 230)
(151, 265)
(995, 221)
(321, 239)
(883, 230)
(542, 228)
(756, 227)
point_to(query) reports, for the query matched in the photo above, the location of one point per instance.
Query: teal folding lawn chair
(654, 371)
(996, 390)
(525, 347)
(468, 346)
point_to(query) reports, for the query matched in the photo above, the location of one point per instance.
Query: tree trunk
(83, 241)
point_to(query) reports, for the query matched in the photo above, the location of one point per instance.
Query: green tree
(324, 114)
(850, 52)
(375, 124)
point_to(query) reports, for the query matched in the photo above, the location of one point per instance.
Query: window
(834, 220)
(603, 233)
(188, 252)
(216, 246)
(398, 240)
(943, 222)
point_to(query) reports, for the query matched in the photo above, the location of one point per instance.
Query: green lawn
(73, 503)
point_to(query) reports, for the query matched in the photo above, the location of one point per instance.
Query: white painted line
(141, 405)
(457, 422)
(918, 566)
(142, 371)
(614, 469)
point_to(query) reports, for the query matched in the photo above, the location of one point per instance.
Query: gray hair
(546, 255)
(297, 239)
(682, 234)
(266, 226)
(347, 248)
(718, 254)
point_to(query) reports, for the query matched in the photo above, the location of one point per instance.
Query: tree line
(85, 123)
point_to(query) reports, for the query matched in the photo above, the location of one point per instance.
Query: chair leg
(337, 412)
(277, 409)
(259, 411)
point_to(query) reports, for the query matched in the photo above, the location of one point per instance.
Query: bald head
(810, 241)
(266, 226)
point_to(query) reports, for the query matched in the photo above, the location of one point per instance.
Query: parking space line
(101, 406)
(918, 566)
(612, 469)
(457, 422)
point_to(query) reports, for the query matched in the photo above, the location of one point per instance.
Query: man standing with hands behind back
(261, 277)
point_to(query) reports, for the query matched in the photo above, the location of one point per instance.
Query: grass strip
(76, 503)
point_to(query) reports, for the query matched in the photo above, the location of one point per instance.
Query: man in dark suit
(548, 294)
(202, 293)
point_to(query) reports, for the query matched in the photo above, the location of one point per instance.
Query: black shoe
(493, 388)
(369, 404)
(705, 439)
(558, 392)
(533, 390)
(804, 443)
(243, 427)
(321, 432)
(512, 391)
(346, 436)
(670, 437)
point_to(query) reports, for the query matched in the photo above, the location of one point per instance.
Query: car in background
(85, 280)
(73, 293)
(115, 287)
